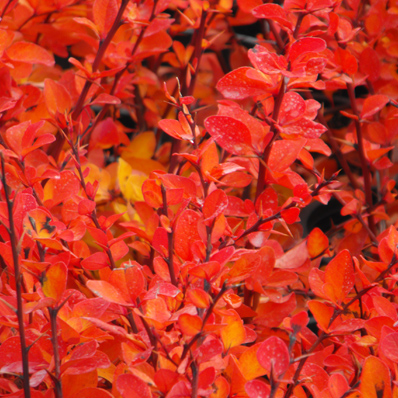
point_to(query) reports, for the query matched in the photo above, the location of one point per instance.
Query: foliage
(152, 191)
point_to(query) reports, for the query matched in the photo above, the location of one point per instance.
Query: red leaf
(176, 183)
(231, 134)
(299, 321)
(164, 289)
(135, 281)
(373, 104)
(369, 63)
(86, 207)
(306, 45)
(104, 14)
(244, 82)
(105, 135)
(208, 350)
(11, 357)
(274, 12)
(291, 215)
(131, 386)
(266, 61)
(104, 98)
(206, 379)
(284, 153)
(214, 205)
(274, 355)
(96, 261)
(389, 346)
(24, 138)
(86, 365)
(119, 250)
(86, 350)
(257, 389)
(61, 189)
(186, 233)
(165, 379)
(346, 60)
(30, 53)
(268, 199)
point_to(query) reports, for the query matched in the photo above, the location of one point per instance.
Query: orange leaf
(317, 243)
(189, 324)
(250, 366)
(199, 298)
(92, 392)
(375, 379)
(56, 97)
(339, 277)
(30, 53)
(322, 313)
(221, 388)
(107, 291)
(38, 224)
(54, 281)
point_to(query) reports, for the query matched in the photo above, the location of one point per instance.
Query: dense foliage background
(198, 198)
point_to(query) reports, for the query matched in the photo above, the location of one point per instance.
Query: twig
(18, 284)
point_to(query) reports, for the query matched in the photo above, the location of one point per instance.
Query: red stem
(94, 213)
(56, 148)
(170, 237)
(267, 151)
(54, 341)
(188, 90)
(364, 162)
(18, 284)
(98, 58)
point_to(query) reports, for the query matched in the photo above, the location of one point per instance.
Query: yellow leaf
(234, 333)
(142, 146)
(144, 165)
(130, 181)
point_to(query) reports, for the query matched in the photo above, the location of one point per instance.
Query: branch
(18, 283)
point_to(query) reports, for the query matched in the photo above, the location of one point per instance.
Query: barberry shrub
(189, 210)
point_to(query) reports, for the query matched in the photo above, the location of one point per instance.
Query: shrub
(189, 210)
